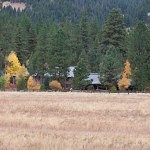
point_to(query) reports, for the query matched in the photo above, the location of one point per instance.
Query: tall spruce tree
(20, 44)
(31, 42)
(94, 46)
(2, 62)
(94, 55)
(81, 74)
(84, 35)
(114, 31)
(93, 33)
(139, 56)
(60, 55)
(110, 68)
(38, 62)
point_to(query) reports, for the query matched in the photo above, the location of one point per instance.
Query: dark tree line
(51, 46)
(133, 10)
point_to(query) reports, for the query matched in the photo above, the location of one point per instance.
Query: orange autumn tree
(55, 85)
(13, 64)
(14, 68)
(125, 82)
(32, 85)
(22, 72)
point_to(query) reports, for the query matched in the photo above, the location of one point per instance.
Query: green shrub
(113, 89)
(46, 83)
(90, 87)
(22, 84)
(42, 87)
(2, 83)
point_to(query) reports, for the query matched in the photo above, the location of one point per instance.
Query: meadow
(74, 121)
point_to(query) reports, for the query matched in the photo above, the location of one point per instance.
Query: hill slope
(72, 9)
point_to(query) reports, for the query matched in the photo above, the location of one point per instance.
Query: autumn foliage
(22, 72)
(14, 68)
(125, 82)
(55, 85)
(32, 84)
(13, 64)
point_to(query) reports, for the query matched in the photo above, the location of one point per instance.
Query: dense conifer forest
(49, 36)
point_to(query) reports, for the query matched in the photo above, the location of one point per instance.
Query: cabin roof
(94, 78)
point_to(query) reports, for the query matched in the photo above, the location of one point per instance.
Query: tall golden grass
(74, 121)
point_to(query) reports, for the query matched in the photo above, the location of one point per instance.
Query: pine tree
(60, 55)
(2, 62)
(21, 84)
(80, 75)
(93, 32)
(31, 42)
(19, 44)
(6, 35)
(110, 67)
(84, 35)
(114, 31)
(139, 56)
(38, 61)
(93, 53)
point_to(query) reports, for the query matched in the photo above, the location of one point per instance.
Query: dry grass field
(74, 121)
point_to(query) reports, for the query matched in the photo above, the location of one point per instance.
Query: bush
(46, 83)
(55, 85)
(42, 88)
(90, 87)
(2, 83)
(21, 85)
(113, 89)
(32, 85)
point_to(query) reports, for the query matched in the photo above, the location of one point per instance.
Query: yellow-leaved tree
(22, 72)
(13, 64)
(55, 85)
(125, 82)
(32, 84)
(14, 68)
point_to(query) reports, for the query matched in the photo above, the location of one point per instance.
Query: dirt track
(74, 121)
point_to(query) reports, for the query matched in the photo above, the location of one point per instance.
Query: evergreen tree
(39, 60)
(19, 44)
(80, 75)
(46, 82)
(93, 32)
(139, 56)
(84, 35)
(93, 55)
(6, 35)
(60, 55)
(2, 62)
(31, 42)
(110, 67)
(21, 84)
(114, 31)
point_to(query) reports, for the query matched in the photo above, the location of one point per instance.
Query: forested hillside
(50, 36)
(132, 10)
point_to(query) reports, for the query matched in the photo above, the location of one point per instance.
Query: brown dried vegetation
(74, 121)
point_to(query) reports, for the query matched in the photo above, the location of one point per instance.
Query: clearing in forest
(74, 121)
